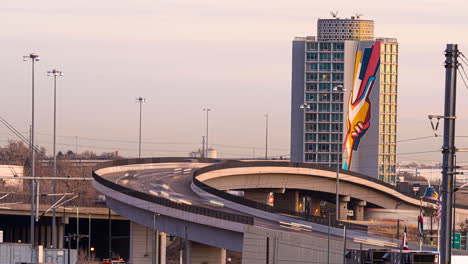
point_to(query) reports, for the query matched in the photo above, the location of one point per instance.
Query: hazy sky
(233, 56)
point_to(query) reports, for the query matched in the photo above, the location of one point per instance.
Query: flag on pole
(438, 209)
(421, 223)
(404, 242)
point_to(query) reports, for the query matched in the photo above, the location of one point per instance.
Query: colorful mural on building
(358, 117)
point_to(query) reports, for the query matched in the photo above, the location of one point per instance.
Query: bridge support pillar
(315, 207)
(344, 200)
(288, 200)
(60, 235)
(203, 254)
(359, 210)
(141, 245)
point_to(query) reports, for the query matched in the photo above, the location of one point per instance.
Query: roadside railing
(167, 203)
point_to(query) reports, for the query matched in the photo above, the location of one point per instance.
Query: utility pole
(140, 100)
(448, 151)
(33, 58)
(206, 138)
(266, 136)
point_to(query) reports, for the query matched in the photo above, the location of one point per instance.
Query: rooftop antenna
(334, 14)
(358, 15)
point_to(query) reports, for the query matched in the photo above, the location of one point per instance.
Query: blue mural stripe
(365, 62)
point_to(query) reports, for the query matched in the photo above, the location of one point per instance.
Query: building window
(311, 97)
(325, 67)
(311, 87)
(324, 137)
(312, 46)
(323, 128)
(311, 127)
(310, 137)
(338, 56)
(325, 46)
(338, 77)
(312, 56)
(338, 66)
(324, 87)
(312, 66)
(322, 158)
(310, 117)
(324, 107)
(311, 77)
(324, 118)
(324, 97)
(338, 46)
(325, 56)
(323, 148)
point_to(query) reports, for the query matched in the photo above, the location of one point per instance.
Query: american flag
(438, 209)
(404, 241)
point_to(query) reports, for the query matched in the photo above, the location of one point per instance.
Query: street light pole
(448, 151)
(338, 88)
(266, 136)
(54, 73)
(140, 100)
(207, 119)
(33, 58)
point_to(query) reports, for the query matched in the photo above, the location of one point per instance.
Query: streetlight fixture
(340, 89)
(207, 118)
(32, 58)
(140, 100)
(55, 73)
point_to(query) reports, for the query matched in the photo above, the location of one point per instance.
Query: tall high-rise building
(344, 98)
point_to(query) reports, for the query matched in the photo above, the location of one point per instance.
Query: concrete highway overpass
(187, 198)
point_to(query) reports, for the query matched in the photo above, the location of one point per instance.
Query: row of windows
(389, 48)
(388, 88)
(321, 117)
(324, 97)
(387, 119)
(324, 56)
(325, 127)
(389, 68)
(325, 107)
(313, 147)
(387, 159)
(388, 98)
(388, 109)
(314, 77)
(388, 78)
(325, 66)
(323, 87)
(389, 58)
(389, 149)
(318, 137)
(387, 169)
(325, 46)
(312, 157)
(388, 178)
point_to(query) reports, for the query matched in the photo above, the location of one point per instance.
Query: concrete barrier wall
(286, 248)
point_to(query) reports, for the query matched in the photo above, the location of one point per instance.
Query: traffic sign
(456, 241)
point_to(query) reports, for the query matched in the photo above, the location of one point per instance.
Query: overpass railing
(262, 206)
(165, 202)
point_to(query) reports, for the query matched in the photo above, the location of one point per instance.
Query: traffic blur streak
(375, 242)
(296, 226)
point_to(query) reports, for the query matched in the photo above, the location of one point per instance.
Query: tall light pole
(55, 73)
(33, 58)
(266, 136)
(304, 106)
(140, 100)
(207, 119)
(339, 89)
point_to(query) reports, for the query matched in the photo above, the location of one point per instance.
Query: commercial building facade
(346, 82)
